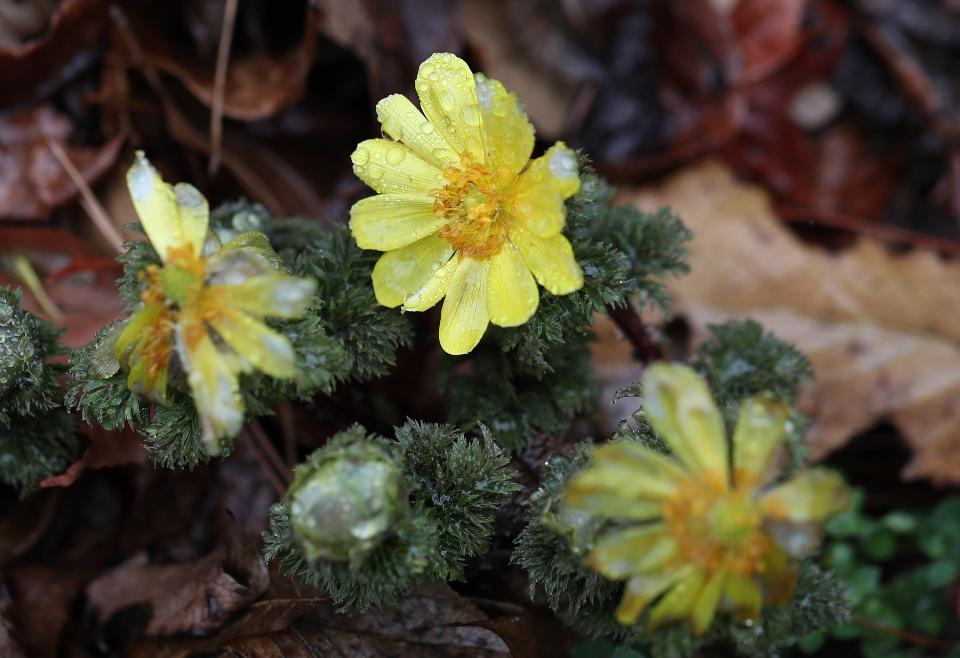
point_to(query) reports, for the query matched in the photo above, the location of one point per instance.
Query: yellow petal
(272, 295)
(539, 194)
(402, 121)
(253, 242)
(550, 259)
(448, 96)
(679, 601)
(612, 504)
(743, 595)
(213, 383)
(463, 318)
(434, 289)
(641, 590)
(628, 470)
(761, 426)
(265, 349)
(512, 296)
(171, 216)
(682, 411)
(392, 167)
(149, 359)
(813, 495)
(403, 271)
(780, 574)
(705, 606)
(390, 221)
(635, 550)
(134, 328)
(236, 265)
(508, 133)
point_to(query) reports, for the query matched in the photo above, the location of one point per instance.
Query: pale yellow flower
(204, 306)
(701, 533)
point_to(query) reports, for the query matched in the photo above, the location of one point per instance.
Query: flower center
(716, 527)
(473, 203)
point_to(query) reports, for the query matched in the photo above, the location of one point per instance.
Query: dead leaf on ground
(433, 622)
(32, 181)
(258, 85)
(106, 449)
(197, 596)
(881, 329)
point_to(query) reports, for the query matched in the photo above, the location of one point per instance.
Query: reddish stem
(632, 326)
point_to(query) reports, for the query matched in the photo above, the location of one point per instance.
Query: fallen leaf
(258, 85)
(71, 40)
(106, 449)
(882, 329)
(768, 34)
(32, 181)
(197, 596)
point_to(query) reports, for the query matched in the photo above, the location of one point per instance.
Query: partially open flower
(462, 211)
(344, 501)
(697, 531)
(204, 306)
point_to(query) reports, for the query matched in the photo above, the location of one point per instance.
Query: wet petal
(464, 318)
(679, 601)
(172, 216)
(448, 96)
(641, 590)
(237, 265)
(390, 221)
(213, 383)
(403, 271)
(134, 328)
(761, 427)
(632, 551)
(434, 289)
(682, 411)
(265, 349)
(402, 121)
(550, 259)
(392, 167)
(508, 133)
(512, 296)
(705, 607)
(742, 595)
(539, 194)
(272, 295)
(611, 503)
(628, 470)
(813, 495)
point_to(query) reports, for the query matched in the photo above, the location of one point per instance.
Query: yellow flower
(202, 309)
(462, 212)
(695, 531)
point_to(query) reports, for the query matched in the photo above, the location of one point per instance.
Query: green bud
(19, 354)
(345, 500)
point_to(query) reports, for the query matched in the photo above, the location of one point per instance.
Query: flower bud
(345, 500)
(18, 343)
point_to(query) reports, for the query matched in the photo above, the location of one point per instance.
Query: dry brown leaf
(106, 449)
(185, 597)
(881, 329)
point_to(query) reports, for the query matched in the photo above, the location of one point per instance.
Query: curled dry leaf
(32, 181)
(258, 85)
(76, 28)
(106, 449)
(881, 329)
(198, 596)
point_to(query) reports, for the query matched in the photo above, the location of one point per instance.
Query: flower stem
(632, 326)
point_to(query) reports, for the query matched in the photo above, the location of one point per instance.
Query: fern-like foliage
(455, 486)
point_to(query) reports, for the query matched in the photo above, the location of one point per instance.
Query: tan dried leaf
(882, 329)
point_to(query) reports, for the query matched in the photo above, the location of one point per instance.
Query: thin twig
(220, 83)
(23, 268)
(884, 232)
(275, 480)
(906, 636)
(632, 326)
(282, 469)
(89, 201)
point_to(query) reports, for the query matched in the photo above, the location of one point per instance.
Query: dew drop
(471, 115)
(395, 155)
